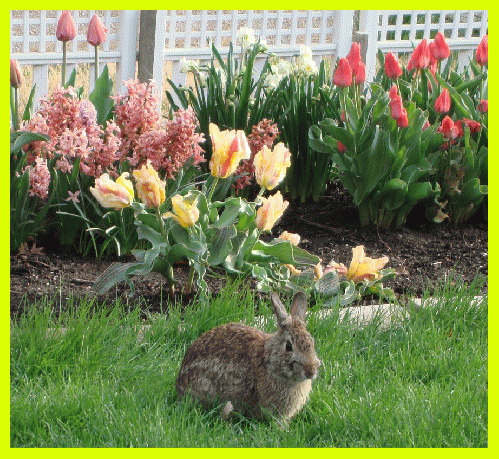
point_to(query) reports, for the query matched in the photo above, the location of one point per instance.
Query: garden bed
(422, 253)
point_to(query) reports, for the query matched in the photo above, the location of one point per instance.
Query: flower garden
(215, 193)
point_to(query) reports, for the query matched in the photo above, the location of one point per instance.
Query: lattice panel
(410, 25)
(33, 31)
(193, 29)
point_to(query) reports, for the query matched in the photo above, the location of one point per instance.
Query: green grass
(422, 383)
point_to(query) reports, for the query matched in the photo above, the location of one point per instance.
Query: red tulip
(483, 106)
(392, 67)
(440, 48)
(402, 120)
(343, 75)
(396, 107)
(16, 75)
(360, 76)
(341, 147)
(442, 104)
(97, 31)
(448, 129)
(482, 52)
(66, 27)
(459, 126)
(353, 58)
(472, 124)
(393, 92)
(420, 58)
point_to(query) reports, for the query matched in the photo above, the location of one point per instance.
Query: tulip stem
(96, 65)
(15, 115)
(212, 189)
(188, 287)
(64, 60)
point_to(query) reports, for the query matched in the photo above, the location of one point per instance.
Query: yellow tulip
(116, 195)
(270, 165)
(362, 267)
(271, 210)
(150, 189)
(229, 148)
(291, 237)
(185, 210)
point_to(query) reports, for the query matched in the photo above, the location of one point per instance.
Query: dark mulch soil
(422, 253)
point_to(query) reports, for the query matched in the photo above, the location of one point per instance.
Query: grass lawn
(422, 383)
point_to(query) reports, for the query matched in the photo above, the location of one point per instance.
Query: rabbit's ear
(283, 318)
(299, 306)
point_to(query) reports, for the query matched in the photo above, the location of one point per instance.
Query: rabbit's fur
(252, 372)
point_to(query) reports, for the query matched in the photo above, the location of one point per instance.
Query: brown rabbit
(252, 372)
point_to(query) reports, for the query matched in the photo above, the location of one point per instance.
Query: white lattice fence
(33, 42)
(399, 30)
(187, 34)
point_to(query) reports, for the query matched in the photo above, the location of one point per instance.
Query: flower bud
(392, 67)
(343, 75)
(442, 104)
(150, 189)
(185, 210)
(116, 195)
(97, 31)
(482, 52)
(66, 27)
(16, 75)
(271, 165)
(271, 210)
(229, 148)
(441, 49)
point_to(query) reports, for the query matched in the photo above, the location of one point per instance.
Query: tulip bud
(420, 58)
(271, 165)
(185, 210)
(16, 75)
(442, 104)
(150, 189)
(97, 31)
(229, 148)
(116, 195)
(271, 210)
(483, 106)
(66, 27)
(343, 75)
(440, 49)
(482, 52)
(291, 237)
(392, 67)
(353, 58)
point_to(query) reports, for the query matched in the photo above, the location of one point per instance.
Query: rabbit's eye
(289, 346)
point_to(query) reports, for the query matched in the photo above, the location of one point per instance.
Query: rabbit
(255, 374)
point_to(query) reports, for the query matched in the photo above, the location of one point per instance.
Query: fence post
(151, 47)
(343, 25)
(147, 34)
(368, 25)
(129, 20)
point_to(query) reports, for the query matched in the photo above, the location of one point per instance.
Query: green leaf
(101, 97)
(27, 137)
(328, 284)
(28, 110)
(221, 245)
